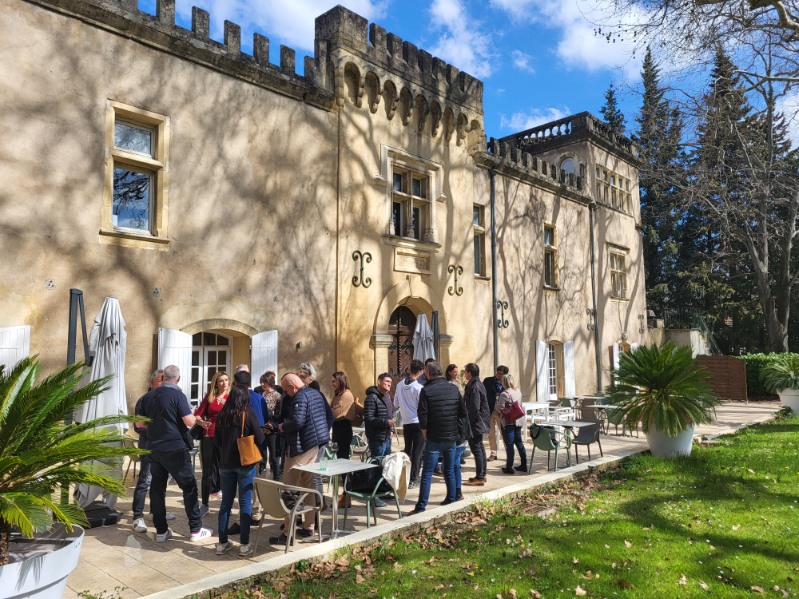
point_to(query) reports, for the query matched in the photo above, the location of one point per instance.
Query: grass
(722, 523)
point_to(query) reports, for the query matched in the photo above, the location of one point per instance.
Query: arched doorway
(400, 353)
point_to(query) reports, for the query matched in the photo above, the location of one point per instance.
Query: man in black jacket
(377, 416)
(493, 386)
(474, 397)
(440, 408)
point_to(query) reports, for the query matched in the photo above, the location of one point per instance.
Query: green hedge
(754, 363)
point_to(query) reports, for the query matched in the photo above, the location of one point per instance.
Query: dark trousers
(274, 449)
(479, 452)
(209, 458)
(513, 437)
(178, 464)
(414, 447)
(342, 435)
(142, 485)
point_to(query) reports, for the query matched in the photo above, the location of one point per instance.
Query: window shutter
(174, 347)
(542, 370)
(568, 369)
(15, 344)
(264, 354)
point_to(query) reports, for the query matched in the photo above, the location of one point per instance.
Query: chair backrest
(587, 434)
(270, 494)
(615, 416)
(542, 437)
(128, 441)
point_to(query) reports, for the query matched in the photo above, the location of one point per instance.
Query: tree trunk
(5, 532)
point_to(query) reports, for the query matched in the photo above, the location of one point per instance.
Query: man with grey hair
(442, 415)
(170, 417)
(145, 476)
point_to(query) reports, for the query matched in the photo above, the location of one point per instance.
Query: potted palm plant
(782, 377)
(667, 392)
(40, 458)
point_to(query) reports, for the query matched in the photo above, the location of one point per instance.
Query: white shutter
(15, 344)
(568, 369)
(174, 347)
(264, 354)
(617, 350)
(542, 370)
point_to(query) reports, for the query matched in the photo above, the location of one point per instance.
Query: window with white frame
(613, 190)
(478, 228)
(618, 274)
(136, 187)
(410, 204)
(550, 257)
(210, 352)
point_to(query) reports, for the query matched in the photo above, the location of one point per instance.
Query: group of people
(292, 423)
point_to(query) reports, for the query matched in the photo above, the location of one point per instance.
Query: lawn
(722, 523)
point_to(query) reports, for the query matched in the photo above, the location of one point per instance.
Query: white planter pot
(790, 398)
(663, 446)
(41, 567)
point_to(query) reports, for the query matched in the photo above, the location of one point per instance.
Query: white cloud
(520, 121)
(462, 42)
(789, 107)
(292, 22)
(522, 61)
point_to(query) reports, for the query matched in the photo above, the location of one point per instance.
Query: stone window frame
(391, 158)
(618, 267)
(613, 189)
(479, 233)
(551, 255)
(156, 165)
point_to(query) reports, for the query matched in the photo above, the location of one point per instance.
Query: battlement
(342, 29)
(579, 127)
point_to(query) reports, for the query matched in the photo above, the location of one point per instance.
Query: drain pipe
(493, 195)
(597, 350)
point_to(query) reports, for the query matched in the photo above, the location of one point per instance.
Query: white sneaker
(201, 534)
(139, 525)
(222, 548)
(246, 550)
(169, 516)
(162, 537)
(204, 509)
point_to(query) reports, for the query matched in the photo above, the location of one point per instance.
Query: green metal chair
(549, 439)
(373, 486)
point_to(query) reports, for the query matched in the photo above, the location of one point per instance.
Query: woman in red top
(206, 415)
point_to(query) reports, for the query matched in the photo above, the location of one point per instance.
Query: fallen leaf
(512, 593)
(752, 472)
(575, 560)
(757, 589)
(683, 580)
(580, 591)
(736, 526)
(703, 585)
(627, 543)
(535, 594)
(359, 579)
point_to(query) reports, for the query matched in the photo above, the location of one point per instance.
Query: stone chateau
(241, 212)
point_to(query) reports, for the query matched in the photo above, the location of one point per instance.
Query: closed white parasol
(423, 346)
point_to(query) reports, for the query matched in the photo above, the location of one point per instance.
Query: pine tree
(662, 175)
(611, 113)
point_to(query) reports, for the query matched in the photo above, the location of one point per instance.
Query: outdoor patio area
(119, 562)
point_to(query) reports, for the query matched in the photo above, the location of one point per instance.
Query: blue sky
(539, 59)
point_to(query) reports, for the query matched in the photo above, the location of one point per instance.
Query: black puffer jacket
(477, 406)
(440, 407)
(376, 414)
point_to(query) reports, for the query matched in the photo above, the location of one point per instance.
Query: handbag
(196, 432)
(249, 453)
(513, 412)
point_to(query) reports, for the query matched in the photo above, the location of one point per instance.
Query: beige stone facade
(289, 217)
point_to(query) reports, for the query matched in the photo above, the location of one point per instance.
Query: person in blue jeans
(236, 419)
(441, 416)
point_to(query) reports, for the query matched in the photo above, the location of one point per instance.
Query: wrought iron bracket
(359, 280)
(502, 322)
(458, 271)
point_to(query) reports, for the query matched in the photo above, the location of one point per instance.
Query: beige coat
(343, 406)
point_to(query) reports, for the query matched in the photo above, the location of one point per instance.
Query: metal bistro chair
(549, 439)
(586, 435)
(359, 447)
(133, 460)
(368, 486)
(274, 495)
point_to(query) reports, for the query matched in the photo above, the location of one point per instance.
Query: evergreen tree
(661, 178)
(611, 113)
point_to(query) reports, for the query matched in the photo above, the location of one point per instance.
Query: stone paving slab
(121, 563)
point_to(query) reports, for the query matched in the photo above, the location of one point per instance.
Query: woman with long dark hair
(233, 475)
(206, 414)
(343, 407)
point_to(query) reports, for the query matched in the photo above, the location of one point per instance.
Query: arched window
(567, 166)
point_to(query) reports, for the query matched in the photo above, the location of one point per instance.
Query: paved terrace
(120, 562)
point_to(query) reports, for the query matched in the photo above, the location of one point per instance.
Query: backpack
(358, 420)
